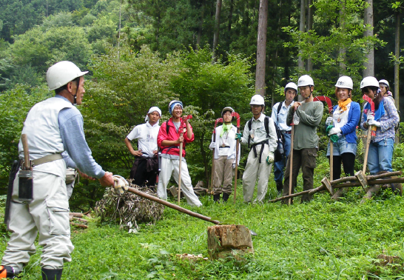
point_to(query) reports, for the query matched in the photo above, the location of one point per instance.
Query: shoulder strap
(266, 124)
(279, 107)
(249, 124)
(167, 127)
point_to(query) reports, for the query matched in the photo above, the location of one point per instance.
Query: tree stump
(229, 240)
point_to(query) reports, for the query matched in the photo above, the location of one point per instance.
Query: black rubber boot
(51, 274)
(216, 198)
(225, 196)
(7, 272)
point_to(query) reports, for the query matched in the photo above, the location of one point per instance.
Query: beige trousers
(223, 176)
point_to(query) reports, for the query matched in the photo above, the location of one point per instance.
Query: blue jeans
(380, 156)
(280, 165)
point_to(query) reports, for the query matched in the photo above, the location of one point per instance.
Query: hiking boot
(225, 196)
(7, 272)
(51, 274)
(216, 198)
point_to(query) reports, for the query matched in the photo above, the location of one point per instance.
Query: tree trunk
(198, 38)
(342, 50)
(261, 48)
(396, 64)
(229, 240)
(368, 20)
(302, 28)
(309, 27)
(230, 15)
(217, 29)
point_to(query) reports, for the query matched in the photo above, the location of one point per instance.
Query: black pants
(141, 172)
(348, 161)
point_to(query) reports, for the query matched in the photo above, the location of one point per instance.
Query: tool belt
(253, 146)
(45, 159)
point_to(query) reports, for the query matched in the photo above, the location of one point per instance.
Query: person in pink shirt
(168, 140)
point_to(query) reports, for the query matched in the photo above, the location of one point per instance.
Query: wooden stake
(291, 164)
(235, 175)
(179, 171)
(368, 138)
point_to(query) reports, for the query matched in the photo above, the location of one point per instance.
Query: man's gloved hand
(212, 145)
(234, 165)
(369, 117)
(270, 158)
(329, 121)
(334, 130)
(238, 136)
(374, 123)
(120, 184)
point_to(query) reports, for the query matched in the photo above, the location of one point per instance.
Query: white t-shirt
(147, 138)
(341, 117)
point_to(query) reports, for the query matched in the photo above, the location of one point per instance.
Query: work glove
(120, 184)
(369, 117)
(238, 136)
(270, 158)
(334, 130)
(329, 121)
(234, 165)
(374, 123)
(212, 145)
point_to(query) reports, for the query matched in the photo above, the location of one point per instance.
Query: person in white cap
(145, 168)
(260, 134)
(224, 144)
(279, 113)
(306, 117)
(168, 140)
(345, 118)
(52, 126)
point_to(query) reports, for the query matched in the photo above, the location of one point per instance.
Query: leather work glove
(374, 123)
(270, 158)
(212, 145)
(329, 121)
(120, 184)
(238, 136)
(334, 130)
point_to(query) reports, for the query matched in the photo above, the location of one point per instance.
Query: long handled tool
(236, 115)
(213, 156)
(185, 118)
(369, 134)
(291, 163)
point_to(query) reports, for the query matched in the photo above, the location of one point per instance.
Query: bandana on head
(173, 106)
(151, 110)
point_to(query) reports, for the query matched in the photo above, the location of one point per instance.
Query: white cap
(305, 80)
(369, 82)
(344, 82)
(291, 85)
(151, 110)
(257, 100)
(61, 73)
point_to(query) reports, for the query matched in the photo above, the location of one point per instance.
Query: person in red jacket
(168, 140)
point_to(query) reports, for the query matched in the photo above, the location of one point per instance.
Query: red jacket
(172, 136)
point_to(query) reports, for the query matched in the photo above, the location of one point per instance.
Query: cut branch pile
(129, 209)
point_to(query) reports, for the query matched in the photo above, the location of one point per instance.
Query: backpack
(280, 151)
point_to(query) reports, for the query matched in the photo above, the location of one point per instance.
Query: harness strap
(46, 159)
(263, 143)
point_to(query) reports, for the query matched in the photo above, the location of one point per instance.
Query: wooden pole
(179, 171)
(331, 160)
(171, 205)
(368, 138)
(291, 164)
(235, 175)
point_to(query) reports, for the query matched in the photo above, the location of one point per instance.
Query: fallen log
(78, 225)
(370, 177)
(298, 194)
(79, 215)
(174, 206)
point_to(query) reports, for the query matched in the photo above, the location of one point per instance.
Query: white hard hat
(291, 85)
(257, 100)
(383, 81)
(61, 73)
(305, 80)
(344, 82)
(227, 109)
(369, 82)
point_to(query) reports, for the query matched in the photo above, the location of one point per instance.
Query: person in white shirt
(224, 144)
(145, 168)
(259, 132)
(279, 114)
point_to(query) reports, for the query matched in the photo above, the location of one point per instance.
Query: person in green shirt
(305, 116)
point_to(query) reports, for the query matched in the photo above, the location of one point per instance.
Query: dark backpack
(280, 151)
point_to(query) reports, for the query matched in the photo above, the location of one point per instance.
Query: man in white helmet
(224, 143)
(259, 134)
(306, 117)
(279, 113)
(52, 126)
(145, 168)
